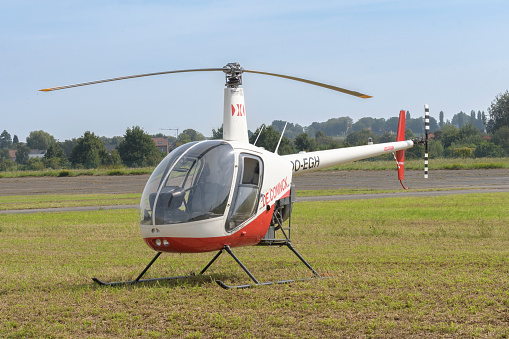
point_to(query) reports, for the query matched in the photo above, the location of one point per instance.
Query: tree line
(465, 135)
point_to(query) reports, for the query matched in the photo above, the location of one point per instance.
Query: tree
(194, 135)
(304, 143)
(55, 157)
(114, 141)
(291, 131)
(436, 149)
(416, 125)
(6, 163)
(89, 151)
(40, 140)
(324, 142)
(138, 149)
(387, 137)
(460, 119)
(361, 124)
(183, 138)
(479, 121)
(68, 146)
(332, 127)
(5, 140)
(499, 112)
(217, 134)
(4, 153)
(359, 138)
(391, 124)
(488, 149)
(269, 138)
(22, 152)
(441, 119)
(15, 140)
(501, 138)
(449, 135)
(469, 135)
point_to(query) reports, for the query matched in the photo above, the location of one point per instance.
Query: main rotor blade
(130, 77)
(334, 88)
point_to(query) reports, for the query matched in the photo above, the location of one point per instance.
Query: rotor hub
(233, 73)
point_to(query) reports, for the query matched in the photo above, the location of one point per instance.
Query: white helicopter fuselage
(209, 194)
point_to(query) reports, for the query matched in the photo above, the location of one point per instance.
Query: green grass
(397, 267)
(418, 164)
(77, 172)
(375, 165)
(351, 191)
(18, 202)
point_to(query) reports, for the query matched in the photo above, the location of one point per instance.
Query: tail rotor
(400, 155)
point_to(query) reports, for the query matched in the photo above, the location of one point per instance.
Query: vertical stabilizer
(234, 118)
(400, 155)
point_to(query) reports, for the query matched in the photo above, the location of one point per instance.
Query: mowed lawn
(395, 267)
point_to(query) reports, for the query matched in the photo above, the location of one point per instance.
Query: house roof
(161, 141)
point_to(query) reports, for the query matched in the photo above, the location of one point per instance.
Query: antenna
(261, 129)
(281, 137)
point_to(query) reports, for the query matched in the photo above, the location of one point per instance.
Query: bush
(7, 165)
(64, 173)
(463, 152)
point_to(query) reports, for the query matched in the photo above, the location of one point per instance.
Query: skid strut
(256, 282)
(219, 282)
(139, 280)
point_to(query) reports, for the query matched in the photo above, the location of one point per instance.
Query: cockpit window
(245, 200)
(194, 185)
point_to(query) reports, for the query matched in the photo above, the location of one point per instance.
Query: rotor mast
(234, 114)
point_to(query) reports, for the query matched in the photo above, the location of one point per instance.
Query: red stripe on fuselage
(251, 234)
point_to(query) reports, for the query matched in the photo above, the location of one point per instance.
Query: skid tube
(256, 282)
(139, 280)
(219, 282)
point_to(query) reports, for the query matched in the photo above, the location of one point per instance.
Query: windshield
(192, 183)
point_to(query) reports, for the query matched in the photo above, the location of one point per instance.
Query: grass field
(396, 267)
(370, 165)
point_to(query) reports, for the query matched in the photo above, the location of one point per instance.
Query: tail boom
(312, 161)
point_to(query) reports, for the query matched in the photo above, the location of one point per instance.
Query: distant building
(110, 147)
(162, 144)
(36, 153)
(12, 154)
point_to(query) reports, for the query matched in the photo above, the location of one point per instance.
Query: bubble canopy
(192, 183)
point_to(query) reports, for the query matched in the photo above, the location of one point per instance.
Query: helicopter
(215, 195)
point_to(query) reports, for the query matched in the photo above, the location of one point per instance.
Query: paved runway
(494, 178)
(458, 181)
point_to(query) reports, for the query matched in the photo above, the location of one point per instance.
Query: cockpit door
(247, 190)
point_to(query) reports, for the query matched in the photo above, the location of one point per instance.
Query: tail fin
(400, 155)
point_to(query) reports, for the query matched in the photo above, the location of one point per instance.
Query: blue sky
(452, 55)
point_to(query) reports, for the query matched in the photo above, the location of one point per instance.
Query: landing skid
(219, 282)
(256, 282)
(139, 280)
